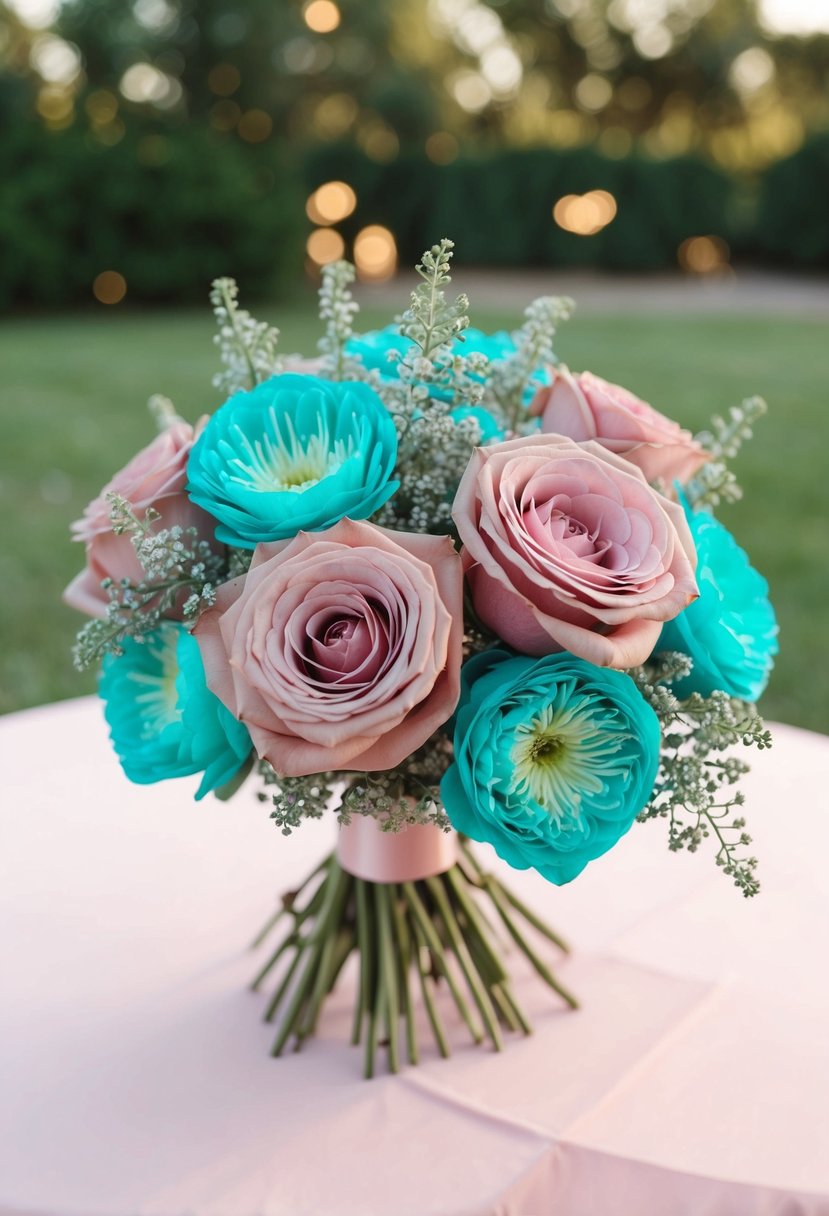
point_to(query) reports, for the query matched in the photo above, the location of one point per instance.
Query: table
(134, 1070)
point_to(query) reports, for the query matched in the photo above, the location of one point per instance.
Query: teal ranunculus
(373, 348)
(164, 721)
(554, 759)
(730, 632)
(295, 454)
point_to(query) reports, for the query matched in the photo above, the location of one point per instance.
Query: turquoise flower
(554, 759)
(372, 349)
(730, 632)
(296, 454)
(163, 719)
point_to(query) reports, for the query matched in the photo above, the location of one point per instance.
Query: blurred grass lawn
(73, 412)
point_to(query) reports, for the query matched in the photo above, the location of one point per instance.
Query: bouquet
(435, 585)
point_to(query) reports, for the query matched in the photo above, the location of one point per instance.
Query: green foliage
(510, 379)
(177, 565)
(247, 347)
(695, 771)
(715, 482)
(169, 211)
(500, 204)
(338, 309)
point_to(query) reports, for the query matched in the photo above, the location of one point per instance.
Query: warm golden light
(330, 203)
(223, 79)
(109, 287)
(441, 147)
(255, 126)
(56, 105)
(703, 254)
(101, 106)
(321, 16)
(585, 214)
(324, 245)
(375, 253)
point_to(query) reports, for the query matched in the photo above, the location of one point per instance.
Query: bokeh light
(331, 203)
(703, 255)
(585, 214)
(109, 287)
(101, 107)
(321, 16)
(255, 126)
(375, 253)
(224, 79)
(324, 245)
(143, 82)
(55, 60)
(442, 147)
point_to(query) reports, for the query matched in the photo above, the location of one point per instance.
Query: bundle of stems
(409, 936)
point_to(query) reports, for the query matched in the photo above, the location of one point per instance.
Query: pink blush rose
(584, 406)
(154, 478)
(567, 547)
(339, 649)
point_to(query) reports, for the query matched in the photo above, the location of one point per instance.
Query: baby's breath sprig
(177, 564)
(430, 320)
(163, 412)
(297, 798)
(510, 378)
(377, 796)
(715, 482)
(433, 447)
(692, 786)
(247, 347)
(337, 310)
(398, 798)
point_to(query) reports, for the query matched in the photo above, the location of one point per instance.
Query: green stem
(387, 973)
(405, 947)
(230, 309)
(538, 963)
(463, 956)
(364, 945)
(420, 950)
(433, 941)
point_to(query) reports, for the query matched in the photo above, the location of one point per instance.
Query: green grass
(73, 411)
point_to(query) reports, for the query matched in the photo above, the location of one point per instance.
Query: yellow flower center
(158, 700)
(564, 754)
(275, 462)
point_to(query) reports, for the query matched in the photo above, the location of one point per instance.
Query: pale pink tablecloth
(134, 1074)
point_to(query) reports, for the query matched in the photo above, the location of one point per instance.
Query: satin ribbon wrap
(415, 852)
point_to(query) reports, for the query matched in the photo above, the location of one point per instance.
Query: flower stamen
(280, 460)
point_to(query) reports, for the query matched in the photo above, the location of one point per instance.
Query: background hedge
(498, 207)
(171, 209)
(168, 211)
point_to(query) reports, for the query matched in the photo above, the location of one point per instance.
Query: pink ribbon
(419, 851)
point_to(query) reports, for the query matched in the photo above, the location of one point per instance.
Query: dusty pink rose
(339, 649)
(567, 547)
(586, 407)
(154, 478)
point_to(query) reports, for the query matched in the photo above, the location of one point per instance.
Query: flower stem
(436, 927)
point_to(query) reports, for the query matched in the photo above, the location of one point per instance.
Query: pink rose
(154, 478)
(586, 407)
(567, 547)
(339, 649)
